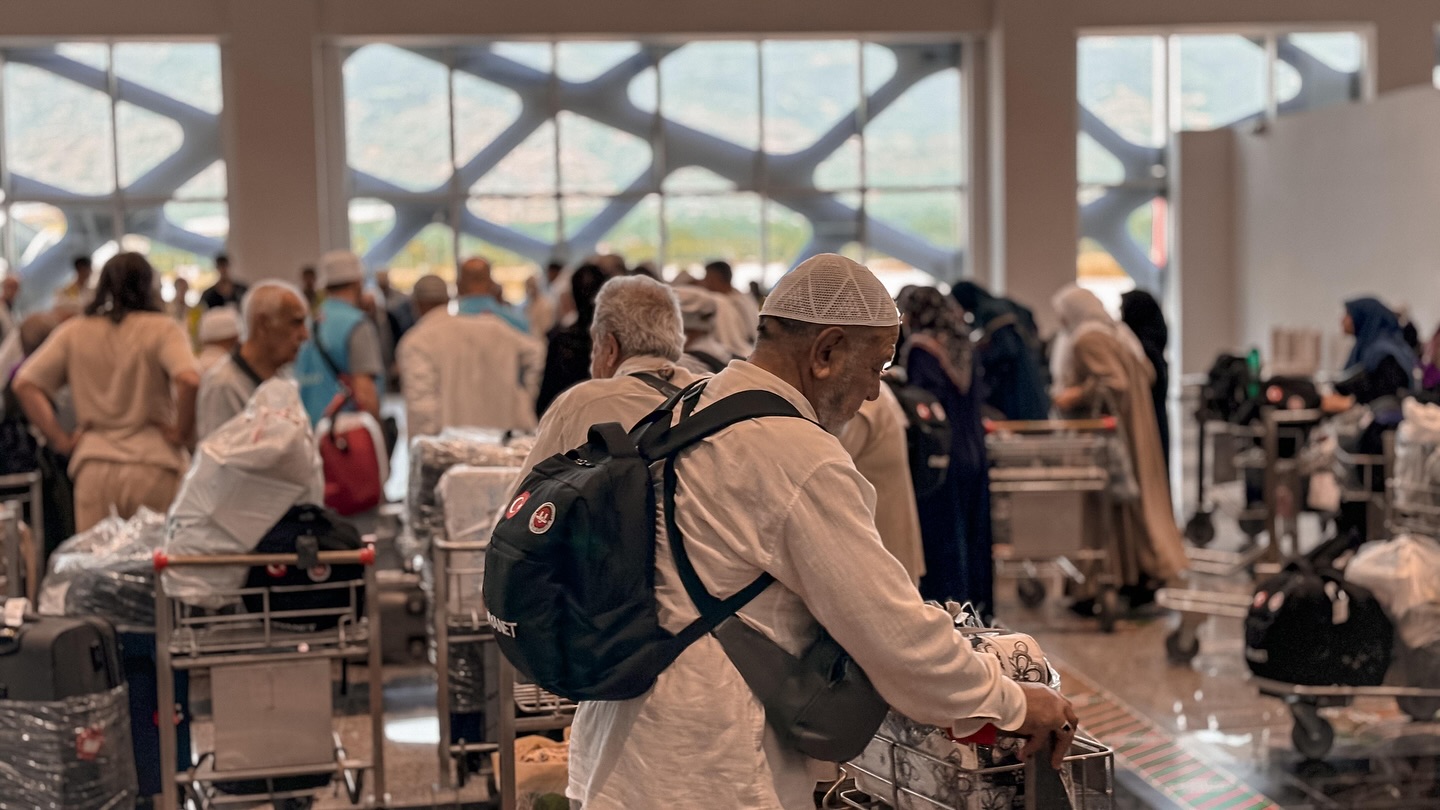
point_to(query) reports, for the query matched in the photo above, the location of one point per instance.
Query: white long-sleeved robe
(468, 371)
(778, 495)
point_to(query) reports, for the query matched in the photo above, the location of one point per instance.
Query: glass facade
(1134, 91)
(760, 152)
(110, 146)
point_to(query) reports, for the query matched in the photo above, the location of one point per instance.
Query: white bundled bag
(1404, 575)
(472, 500)
(244, 478)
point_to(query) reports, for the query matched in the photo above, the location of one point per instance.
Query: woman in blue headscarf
(1380, 364)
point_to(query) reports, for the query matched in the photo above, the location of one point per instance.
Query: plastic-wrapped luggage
(937, 770)
(471, 498)
(107, 571)
(245, 477)
(432, 456)
(64, 715)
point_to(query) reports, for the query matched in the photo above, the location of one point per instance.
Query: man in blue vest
(479, 294)
(344, 343)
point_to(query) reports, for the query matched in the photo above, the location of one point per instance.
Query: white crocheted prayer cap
(834, 291)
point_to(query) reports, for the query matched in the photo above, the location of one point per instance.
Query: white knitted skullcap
(697, 308)
(221, 323)
(834, 291)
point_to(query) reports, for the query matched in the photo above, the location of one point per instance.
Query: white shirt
(737, 322)
(707, 345)
(782, 496)
(468, 371)
(621, 398)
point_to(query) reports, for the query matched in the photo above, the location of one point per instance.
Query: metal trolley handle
(1104, 424)
(365, 556)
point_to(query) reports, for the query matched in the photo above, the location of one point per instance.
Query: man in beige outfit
(875, 439)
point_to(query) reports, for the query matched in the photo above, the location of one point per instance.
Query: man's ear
(823, 359)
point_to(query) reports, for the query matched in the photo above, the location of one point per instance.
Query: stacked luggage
(64, 714)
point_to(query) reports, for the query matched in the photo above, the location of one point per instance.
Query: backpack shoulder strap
(708, 360)
(692, 429)
(667, 441)
(664, 386)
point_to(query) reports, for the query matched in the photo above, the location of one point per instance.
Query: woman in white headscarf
(1099, 367)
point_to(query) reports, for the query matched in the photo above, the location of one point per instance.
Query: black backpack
(1308, 626)
(1226, 389)
(927, 436)
(307, 529)
(570, 572)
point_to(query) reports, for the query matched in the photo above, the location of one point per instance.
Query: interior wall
(1203, 201)
(1336, 203)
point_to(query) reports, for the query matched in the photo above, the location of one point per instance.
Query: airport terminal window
(757, 151)
(1135, 90)
(110, 146)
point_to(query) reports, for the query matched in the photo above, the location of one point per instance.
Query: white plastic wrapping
(1404, 575)
(245, 477)
(432, 456)
(73, 754)
(471, 498)
(107, 571)
(1417, 468)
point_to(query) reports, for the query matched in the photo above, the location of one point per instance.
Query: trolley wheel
(1312, 735)
(1031, 592)
(1181, 647)
(1107, 607)
(1200, 529)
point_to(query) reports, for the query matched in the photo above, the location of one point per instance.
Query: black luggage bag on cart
(317, 529)
(1309, 627)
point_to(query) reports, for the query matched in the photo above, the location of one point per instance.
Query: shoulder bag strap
(660, 384)
(691, 430)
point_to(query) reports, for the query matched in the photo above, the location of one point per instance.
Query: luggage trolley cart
(15, 490)
(1283, 431)
(247, 656)
(1063, 465)
(1413, 509)
(1089, 770)
(514, 707)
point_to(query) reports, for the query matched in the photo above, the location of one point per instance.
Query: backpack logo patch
(543, 518)
(923, 411)
(516, 505)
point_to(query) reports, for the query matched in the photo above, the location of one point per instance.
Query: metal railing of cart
(517, 707)
(1282, 488)
(17, 490)
(1089, 768)
(1063, 462)
(193, 638)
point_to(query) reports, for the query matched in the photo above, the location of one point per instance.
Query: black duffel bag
(1307, 626)
(307, 529)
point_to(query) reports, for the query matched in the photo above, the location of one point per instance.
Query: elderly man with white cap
(344, 344)
(219, 335)
(781, 496)
(275, 316)
(466, 370)
(703, 353)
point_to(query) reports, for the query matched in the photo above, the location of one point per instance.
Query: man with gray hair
(274, 316)
(637, 339)
(782, 497)
(466, 370)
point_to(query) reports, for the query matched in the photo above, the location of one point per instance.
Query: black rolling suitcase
(64, 714)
